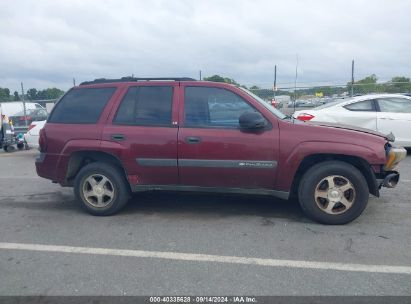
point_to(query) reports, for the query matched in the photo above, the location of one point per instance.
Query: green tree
(399, 84)
(16, 96)
(50, 93)
(254, 87)
(365, 85)
(54, 93)
(32, 94)
(4, 94)
(218, 78)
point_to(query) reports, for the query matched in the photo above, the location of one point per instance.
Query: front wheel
(101, 188)
(333, 192)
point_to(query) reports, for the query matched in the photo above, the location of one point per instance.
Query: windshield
(273, 110)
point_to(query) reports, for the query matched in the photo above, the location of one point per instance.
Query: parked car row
(19, 119)
(32, 135)
(385, 113)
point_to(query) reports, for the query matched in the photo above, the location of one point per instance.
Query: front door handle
(118, 137)
(193, 140)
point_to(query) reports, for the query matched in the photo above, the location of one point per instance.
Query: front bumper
(388, 179)
(394, 156)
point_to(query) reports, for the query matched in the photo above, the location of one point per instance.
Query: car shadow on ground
(213, 205)
(170, 205)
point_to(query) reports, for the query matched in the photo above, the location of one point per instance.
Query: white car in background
(32, 135)
(384, 113)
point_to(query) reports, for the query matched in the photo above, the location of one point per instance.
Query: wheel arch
(361, 164)
(79, 159)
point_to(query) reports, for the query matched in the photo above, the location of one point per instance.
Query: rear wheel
(333, 192)
(10, 148)
(101, 188)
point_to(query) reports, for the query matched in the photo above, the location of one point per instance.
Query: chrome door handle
(193, 140)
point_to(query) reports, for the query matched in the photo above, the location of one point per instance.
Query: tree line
(369, 84)
(31, 94)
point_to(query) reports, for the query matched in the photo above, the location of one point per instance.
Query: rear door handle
(118, 137)
(193, 140)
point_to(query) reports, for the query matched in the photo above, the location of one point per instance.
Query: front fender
(294, 158)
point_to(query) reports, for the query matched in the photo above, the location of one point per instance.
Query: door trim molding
(207, 163)
(157, 162)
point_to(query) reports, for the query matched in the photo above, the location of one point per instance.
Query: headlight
(394, 156)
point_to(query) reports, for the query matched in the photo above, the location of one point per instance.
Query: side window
(213, 107)
(146, 106)
(366, 105)
(81, 106)
(395, 105)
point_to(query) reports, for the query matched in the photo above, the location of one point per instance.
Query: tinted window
(366, 105)
(149, 106)
(81, 106)
(213, 107)
(33, 112)
(395, 105)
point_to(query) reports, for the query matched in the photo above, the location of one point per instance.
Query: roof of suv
(135, 79)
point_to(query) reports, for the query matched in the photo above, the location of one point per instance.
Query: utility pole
(275, 81)
(352, 78)
(74, 82)
(295, 79)
(295, 82)
(24, 105)
(200, 75)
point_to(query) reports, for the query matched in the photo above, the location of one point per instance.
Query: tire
(101, 189)
(333, 192)
(9, 149)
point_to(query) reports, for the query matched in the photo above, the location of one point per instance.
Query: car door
(141, 132)
(394, 115)
(360, 113)
(213, 151)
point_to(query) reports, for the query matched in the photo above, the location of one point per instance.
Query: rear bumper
(52, 167)
(40, 166)
(46, 166)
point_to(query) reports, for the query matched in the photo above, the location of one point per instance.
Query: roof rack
(131, 79)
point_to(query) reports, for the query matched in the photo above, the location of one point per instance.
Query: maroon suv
(108, 138)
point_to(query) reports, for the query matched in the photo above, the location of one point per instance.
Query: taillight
(305, 117)
(42, 140)
(23, 118)
(31, 126)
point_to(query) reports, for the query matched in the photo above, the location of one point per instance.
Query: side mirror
(252, 121)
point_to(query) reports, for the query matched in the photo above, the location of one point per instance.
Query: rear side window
(395, 105)
(146, 106)
(81, 106)
(366, 105)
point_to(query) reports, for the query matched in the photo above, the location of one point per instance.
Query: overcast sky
(47, 43)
